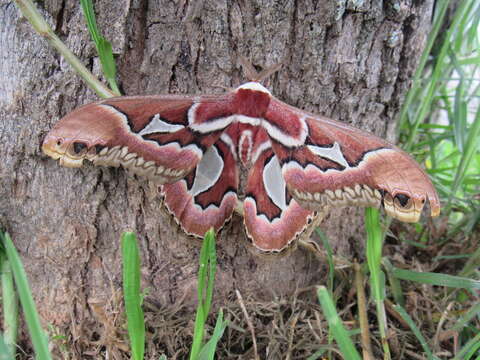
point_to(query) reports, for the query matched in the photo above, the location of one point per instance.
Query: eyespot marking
(78, 147)
(402, 199)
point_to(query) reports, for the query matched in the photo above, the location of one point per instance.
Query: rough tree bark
(349, 60)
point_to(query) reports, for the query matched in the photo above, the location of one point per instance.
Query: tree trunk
(349, 60)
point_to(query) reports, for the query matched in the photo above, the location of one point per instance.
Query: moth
(199, 148)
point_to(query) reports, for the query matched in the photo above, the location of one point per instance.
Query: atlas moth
(207, 152)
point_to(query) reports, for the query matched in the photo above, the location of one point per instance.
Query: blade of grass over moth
(29, 10)
(9, 305)
(38, 336)
(104, 48)
(206, 279)
(132, 295)
(339, 332)
(436, 279)
(377, 277)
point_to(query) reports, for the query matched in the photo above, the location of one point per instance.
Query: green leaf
(470, 349)
(374, 252)
(104, 48)
(436, 279)
(10, 304)
(208, 350)
(331, 265)
(132, 295)
(415, 331)
(206, 279)
(5, 353)
(335, 324)
(38, 336)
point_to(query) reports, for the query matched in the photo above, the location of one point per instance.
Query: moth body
(293, 163)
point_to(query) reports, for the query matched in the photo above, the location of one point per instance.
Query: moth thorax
(255, 86)
(252, 100)
(245, 144)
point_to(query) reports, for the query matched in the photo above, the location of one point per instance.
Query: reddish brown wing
(207, 196)
(340, 165)
(273, 220)
(149, 135)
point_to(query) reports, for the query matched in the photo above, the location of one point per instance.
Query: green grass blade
(469, 349)
(208, 350)
(202, 270)
(199, 328)
(5, 353)
(438, 71)
(30, 11)
(10, 305)
(459, 112)
(104, 48)
(415, 331)
(473, 263)
(436, 279)
(470, 315)
(374, 251)
(38, 336)
(132, 294)
(395, 286)
(331, 265)
(417, 84)
(339, 332)
(470, 150)
(317, 354)
(377, 277)
(212, 267)
(206, 279)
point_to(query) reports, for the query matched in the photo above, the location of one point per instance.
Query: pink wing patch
(207, 196)
(273, 220)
